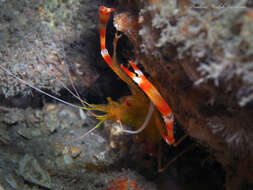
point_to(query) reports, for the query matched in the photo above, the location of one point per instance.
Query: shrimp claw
(150, 90)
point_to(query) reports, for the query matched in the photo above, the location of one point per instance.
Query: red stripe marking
(108, 59)
(129, 73)
(145, 85)
(102, 38)
(169, 125)
(171, 140)
(133, 65)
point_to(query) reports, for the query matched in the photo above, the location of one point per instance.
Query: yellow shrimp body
(132, 111)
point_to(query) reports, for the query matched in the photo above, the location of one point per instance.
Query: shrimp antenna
(91, 130)
(39, 90)
(76, 94)
(62, 83)
(83, 102)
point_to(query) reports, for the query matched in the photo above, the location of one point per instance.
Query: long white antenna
(69, 76)
(39, 90)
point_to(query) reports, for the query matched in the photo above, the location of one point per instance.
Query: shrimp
(138, 77)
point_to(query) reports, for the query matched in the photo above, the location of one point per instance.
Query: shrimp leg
(157, 100)
(104, 15)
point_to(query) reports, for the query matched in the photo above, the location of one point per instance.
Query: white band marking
(137, 80)
(104, 52)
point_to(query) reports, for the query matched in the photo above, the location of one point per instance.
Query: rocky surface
(38, 152)
(40, 38)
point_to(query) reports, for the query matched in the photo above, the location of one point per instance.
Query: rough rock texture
(201, 54)
(39, 38)
(38, 152)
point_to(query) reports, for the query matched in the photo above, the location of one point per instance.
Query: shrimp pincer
(156, 98)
